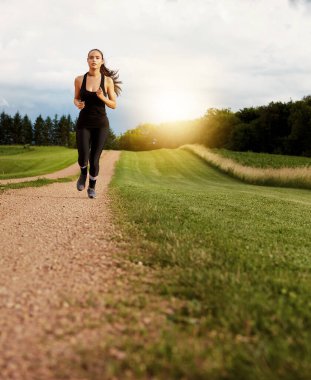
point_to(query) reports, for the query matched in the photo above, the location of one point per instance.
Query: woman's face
(95, 59)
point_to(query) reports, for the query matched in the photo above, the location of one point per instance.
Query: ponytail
(112, 74)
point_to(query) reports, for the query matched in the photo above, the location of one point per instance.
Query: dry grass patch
(288, 177)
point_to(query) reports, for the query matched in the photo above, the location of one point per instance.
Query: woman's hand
(80, 104)
(100, 92)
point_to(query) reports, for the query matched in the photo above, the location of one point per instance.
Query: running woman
(92, 128)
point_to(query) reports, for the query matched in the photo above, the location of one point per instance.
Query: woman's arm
(111, 102)
(76, 98)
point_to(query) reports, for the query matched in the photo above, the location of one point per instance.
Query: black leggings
(90, 143)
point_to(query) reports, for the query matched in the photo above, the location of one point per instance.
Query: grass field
(264, 160)
(257, 169)
(19, 162)
(238, 255)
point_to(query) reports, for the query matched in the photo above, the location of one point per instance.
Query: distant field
(257, 168)
(237, 255)
(264, 160)
(19, 162)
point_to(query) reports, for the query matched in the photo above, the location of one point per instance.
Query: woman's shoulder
(79, 78)
(108, 80)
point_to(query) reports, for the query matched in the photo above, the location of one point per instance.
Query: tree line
(279, 128)
(57, 131)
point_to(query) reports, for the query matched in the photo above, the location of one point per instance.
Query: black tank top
(93, 115)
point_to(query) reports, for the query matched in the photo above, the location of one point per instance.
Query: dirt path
(61, 277)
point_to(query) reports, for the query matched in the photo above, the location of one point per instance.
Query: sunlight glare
(172, 106)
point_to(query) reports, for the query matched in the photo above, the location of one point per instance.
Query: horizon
(161, 122)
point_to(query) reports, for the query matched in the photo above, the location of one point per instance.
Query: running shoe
(81, 182)
(91, 192)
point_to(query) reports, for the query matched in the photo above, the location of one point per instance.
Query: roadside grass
(19, 161)
(236, 255)
(298, 174)
(36, 183)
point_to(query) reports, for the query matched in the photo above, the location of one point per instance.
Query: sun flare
(173, 105)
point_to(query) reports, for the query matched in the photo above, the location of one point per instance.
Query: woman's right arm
(76, 98)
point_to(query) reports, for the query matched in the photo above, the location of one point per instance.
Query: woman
(92, 128)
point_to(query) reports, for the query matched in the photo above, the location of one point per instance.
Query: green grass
(36, 183)
(238, 255)
(297, 177)
(264, 160)
(19, 162)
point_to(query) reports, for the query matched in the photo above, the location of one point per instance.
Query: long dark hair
(110, 73)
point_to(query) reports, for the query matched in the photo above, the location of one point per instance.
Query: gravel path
(60, 264)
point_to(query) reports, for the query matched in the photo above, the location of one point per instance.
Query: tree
(299, 140)
(26, 131)
(6, 126)
(72, 140)
(219, 126)
(2, 123)
(39, 131)
(71, 124)
(17, 129)
(247, 115)
(63, 128)
(111, 142)
(55, 135)
(48, 131)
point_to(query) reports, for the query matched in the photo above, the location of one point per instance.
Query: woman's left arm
(111, 102)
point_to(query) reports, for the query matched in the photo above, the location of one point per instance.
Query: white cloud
(219, 53)
(3, 102)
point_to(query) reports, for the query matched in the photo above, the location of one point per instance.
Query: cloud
(3, 102)
(215, 52)
(296, 3)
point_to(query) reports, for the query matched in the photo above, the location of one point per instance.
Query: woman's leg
(83, 145)
(98, 139)
(83, 139)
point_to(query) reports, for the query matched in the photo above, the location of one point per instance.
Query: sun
(173, 106)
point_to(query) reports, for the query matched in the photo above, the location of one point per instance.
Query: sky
(176, 58)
